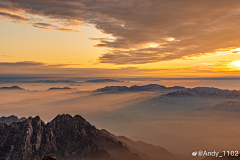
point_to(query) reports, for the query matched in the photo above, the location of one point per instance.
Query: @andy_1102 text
(215, 154)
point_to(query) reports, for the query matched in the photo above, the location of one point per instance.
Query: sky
(120, 38)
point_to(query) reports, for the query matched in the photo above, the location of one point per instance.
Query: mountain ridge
(205, 92)
(11, 119)
(149, 87)
(65, 137)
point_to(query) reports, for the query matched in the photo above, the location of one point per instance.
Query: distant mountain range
(19, 88)
(59, 88)
(69, 138)
(40, 81)
(205, 92)
(102, 80)
(175, 91)
(12, 88)
(150, 87)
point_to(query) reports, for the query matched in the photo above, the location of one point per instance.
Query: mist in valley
(179, 124)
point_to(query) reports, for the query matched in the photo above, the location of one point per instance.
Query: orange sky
(125, 38)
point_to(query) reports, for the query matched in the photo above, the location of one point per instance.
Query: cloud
(8, 17)
(33, 64)
(5, 56)
(12, 16)
(144, 31)
(53, 27)
(20, 64)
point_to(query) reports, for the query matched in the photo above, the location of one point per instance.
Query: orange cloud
(179, 29)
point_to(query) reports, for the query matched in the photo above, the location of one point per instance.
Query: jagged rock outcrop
(150, 87)
(11, 119)
(65, 137)
(205, 92)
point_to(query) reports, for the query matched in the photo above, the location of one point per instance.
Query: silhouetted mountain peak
(65, 138)
(11, 119)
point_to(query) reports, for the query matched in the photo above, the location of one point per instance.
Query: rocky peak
(65, 137)
(11, 119)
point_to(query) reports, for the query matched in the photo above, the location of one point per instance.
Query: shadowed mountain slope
(228, 106)
(154, 152)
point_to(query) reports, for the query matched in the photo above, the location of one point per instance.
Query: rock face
(11, 119)
(65, 137)
(150, 87)
(205, 92)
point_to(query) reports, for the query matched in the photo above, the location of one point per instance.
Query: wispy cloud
(5, 56)
(144, 31)
(33, 64)
(53, 27)
(13, 16)
(21, 64)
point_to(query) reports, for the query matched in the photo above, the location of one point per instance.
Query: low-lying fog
(181, 125)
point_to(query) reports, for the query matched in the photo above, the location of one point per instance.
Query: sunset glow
(90, 38)
(119, 79)
(237, 63)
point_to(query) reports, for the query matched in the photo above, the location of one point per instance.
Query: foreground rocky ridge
(11, 119)
(65, 137)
